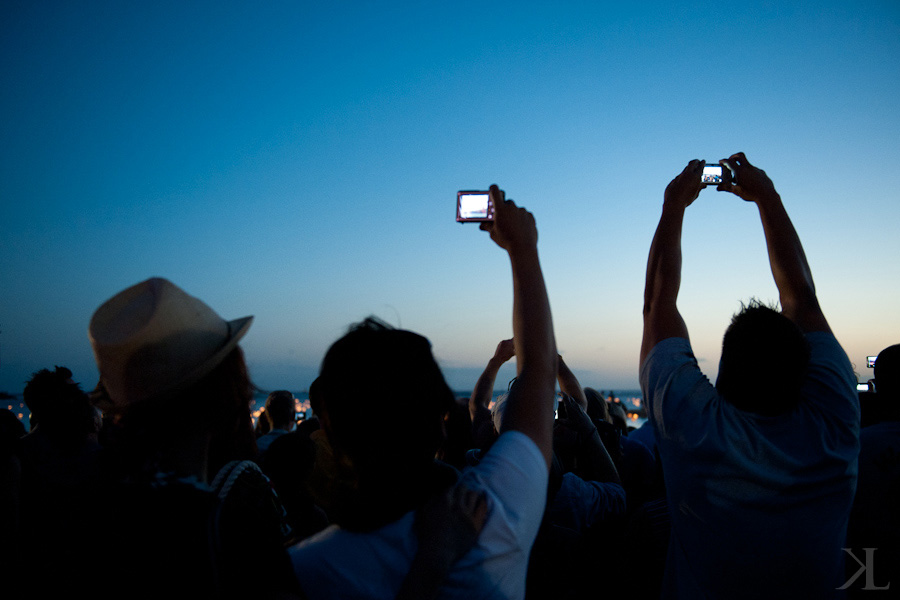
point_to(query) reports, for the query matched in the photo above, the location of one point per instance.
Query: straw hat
(154, 339)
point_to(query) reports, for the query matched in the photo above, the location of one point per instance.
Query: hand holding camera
(513, 227)
(684, 189)
(746, 181)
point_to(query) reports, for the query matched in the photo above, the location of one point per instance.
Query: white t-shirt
(759, 505)
(342, 564)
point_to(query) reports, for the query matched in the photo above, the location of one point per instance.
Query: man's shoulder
(830, 375)
(675, 390)
(667, 348)
(669, 368)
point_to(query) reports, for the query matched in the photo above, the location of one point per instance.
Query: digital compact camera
(474, 207)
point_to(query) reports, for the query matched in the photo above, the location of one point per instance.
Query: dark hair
(459, 439)
(280, 408)
(383, 397)
(315, 396)
(764, 359)
(887, 375)
(597, 408)
(58, 405)
(219, 403)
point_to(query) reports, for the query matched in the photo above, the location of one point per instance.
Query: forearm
(532, 321)
(484, 387)
(568, 383)
(531, 411)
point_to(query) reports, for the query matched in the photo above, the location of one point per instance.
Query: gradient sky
(299, 162)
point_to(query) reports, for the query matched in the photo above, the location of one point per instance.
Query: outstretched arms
(661, 317)
(529, 407)
(790, 269)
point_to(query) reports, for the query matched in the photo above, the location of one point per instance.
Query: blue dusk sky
(299, 162)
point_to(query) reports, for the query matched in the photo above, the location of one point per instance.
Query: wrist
(671, 206)
(523, 252)
(768, 197)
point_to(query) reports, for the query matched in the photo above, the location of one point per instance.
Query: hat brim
(236, 330)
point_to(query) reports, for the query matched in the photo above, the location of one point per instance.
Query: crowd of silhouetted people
(155, 482)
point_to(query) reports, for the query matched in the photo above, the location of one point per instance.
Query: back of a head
(887, 380)
(58, 404)
(764, 359)
(597, 408)
(44, 389)
(281, 409)
(383, 397)
(172, 368)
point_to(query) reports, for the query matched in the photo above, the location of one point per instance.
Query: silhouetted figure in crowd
(585, 502)
(281, 415)
(385, 459)
(59, 460)
(182, 511)
(598, 411)
(875, 519)
(760, 469)
(584, 490)
(11, 431)
(484, 429)
(459, 439)
(289, 462)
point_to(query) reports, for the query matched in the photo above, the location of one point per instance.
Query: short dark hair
(57, 403)
(887, 373)
(280, 408)
(383, 397)
(764, 359)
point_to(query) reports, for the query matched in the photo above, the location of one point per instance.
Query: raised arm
(661, 317)
(791, 271)
(568, 383)
(529, 408)
(484, 387)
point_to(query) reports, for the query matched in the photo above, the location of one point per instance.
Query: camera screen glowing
(473, 206)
